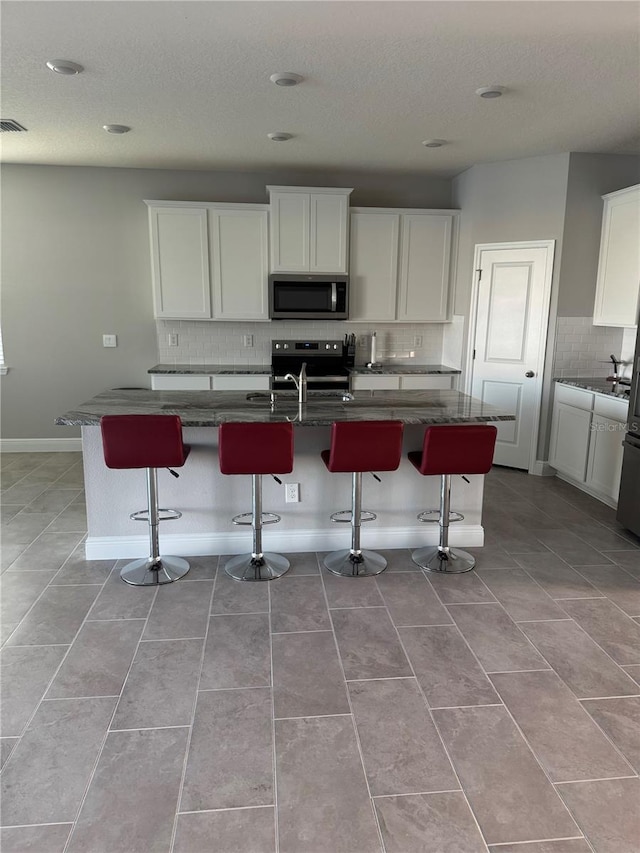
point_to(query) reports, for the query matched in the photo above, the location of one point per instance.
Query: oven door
(628, 513)
(314, 383)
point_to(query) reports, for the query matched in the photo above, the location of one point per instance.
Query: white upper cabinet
(309, 229)
(618, 283)
(180, 262)
(400, 265)
(209, 261)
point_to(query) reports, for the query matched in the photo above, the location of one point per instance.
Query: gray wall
(75, 265)
(590, 177)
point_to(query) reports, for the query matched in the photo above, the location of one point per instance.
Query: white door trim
(549, 245)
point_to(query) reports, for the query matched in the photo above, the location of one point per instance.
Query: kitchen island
(208, 499)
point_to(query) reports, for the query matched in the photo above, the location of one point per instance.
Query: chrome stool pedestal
(443, 558)
(354, 562)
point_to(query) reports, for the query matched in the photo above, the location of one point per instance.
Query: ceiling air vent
(7, 124)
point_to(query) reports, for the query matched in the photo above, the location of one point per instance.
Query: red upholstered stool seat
(151, 442)
(357, 447)
(256, 449)
(451, 449)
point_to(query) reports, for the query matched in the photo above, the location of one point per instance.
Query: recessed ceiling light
(491, 91)
(64, 66)
(286, 78)
(434, 143)
(280, 136)
(116, 128)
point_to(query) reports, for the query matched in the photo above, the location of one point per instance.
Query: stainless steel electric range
(327, 364)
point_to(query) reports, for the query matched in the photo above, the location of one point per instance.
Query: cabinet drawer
(241, 382)
(425, 383)
(574, 396)
(610, 407)
(375, 383)
(180, 383)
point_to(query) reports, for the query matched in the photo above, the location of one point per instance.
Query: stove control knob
(277, 346)
(327, 346)
(286, 346)
(335, 346)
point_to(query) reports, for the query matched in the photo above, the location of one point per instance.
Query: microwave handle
(334, 297)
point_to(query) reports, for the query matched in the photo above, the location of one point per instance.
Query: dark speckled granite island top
(212, 408)
(265, 369)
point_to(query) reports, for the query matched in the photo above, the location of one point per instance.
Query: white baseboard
(605, 499)
(542, 469)
(292, 541)
(39, 445)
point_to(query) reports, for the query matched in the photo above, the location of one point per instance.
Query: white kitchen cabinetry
(587, 431)
(406, 382)
(206, 382)
(309, 229)
(400, 265)
(618, 282)
(180, 382)
(241, 382)
(209, 261)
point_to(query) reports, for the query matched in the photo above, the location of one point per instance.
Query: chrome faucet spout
(300, 382)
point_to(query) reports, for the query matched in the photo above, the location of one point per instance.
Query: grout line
(274, 755)
(602, 779)
(540, 841)
(245, 687)
(416, 794)
(228, 809)
(150, 728)
(66, 698)
(29, 825)
(599, 698)
(314, 716)
(511, 671)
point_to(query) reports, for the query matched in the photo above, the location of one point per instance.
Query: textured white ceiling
(192, 80)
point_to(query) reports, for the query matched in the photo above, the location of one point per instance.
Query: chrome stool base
(365, 515)
(432, 516)
(254, 567)
(266, 518)
(348, 564)
(444, 560)
(149, 572)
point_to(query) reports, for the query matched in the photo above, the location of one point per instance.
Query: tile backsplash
(583, 350)
(201, 342)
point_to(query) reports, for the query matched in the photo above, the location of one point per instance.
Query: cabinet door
(328, 233)
(239, 263)
(180, 263)
(570, 432)
(180, 382)
(605, 455)
(241, 382)
(373, 272)
(420, 382)
(290, 232)
(618, 280)
(425, 251)
(375, 382)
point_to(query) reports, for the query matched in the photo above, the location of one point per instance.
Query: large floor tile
(605, 623)
(201, 569)
(633, 671)
(98, 661)
(556, 577)
(496, 640)
(307, 676)
(231, 596)
(616, 584)
(230, 762)
(77, 570)
(629, 560)
(573, 549)
(237, 653)
(180, 611)
(579, 662)
(303, 563)
(24, 528)
(160, 689)
(328, 809)
(298, 604)
(508, 791)
(563, 737)
(446, 670)
(368, 643)
(48, 552)
(24, 677)
(620, 720)
(35, 839)
(56, 616)
(411, 600)
(120, 600)
(20, 591)
(52, 500)
(234, 831)
(7, 745)
(74, 517)
(566, 845)
(351, 592)
(131, 802)
(45, 778)
(464, 588)
(398, 560)
(432, 823)
(402, 751)
(521, 597)
(607, 812)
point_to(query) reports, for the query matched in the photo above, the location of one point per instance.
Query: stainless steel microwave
(298, 296)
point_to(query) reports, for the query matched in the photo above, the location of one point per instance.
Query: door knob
(529, 374)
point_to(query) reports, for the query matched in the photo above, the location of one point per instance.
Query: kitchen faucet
(300, 382)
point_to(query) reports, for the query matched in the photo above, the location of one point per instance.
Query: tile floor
(497, 710)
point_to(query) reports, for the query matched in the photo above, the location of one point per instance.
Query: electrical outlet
(291, 493)
(173, 340)
(109, 340)
(417, 341)
(247, 340)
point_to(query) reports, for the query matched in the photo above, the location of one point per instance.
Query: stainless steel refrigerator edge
(629, 498)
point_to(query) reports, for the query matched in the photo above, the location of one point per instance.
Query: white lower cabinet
(217, 382)
(245, 382)
(587, 431)
(406, 382)
(180, 382)
(422, 382)
(375, 382)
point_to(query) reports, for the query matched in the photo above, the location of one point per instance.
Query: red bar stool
(446, 450)
(256, 449)
(151, 442)
(358, 446)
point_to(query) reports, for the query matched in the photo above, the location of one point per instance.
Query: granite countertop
(265, 369)
(599, 386)
(212, 408)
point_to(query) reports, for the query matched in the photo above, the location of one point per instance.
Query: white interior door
(512, 290)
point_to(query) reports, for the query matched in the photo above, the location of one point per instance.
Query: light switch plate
(109, 340)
